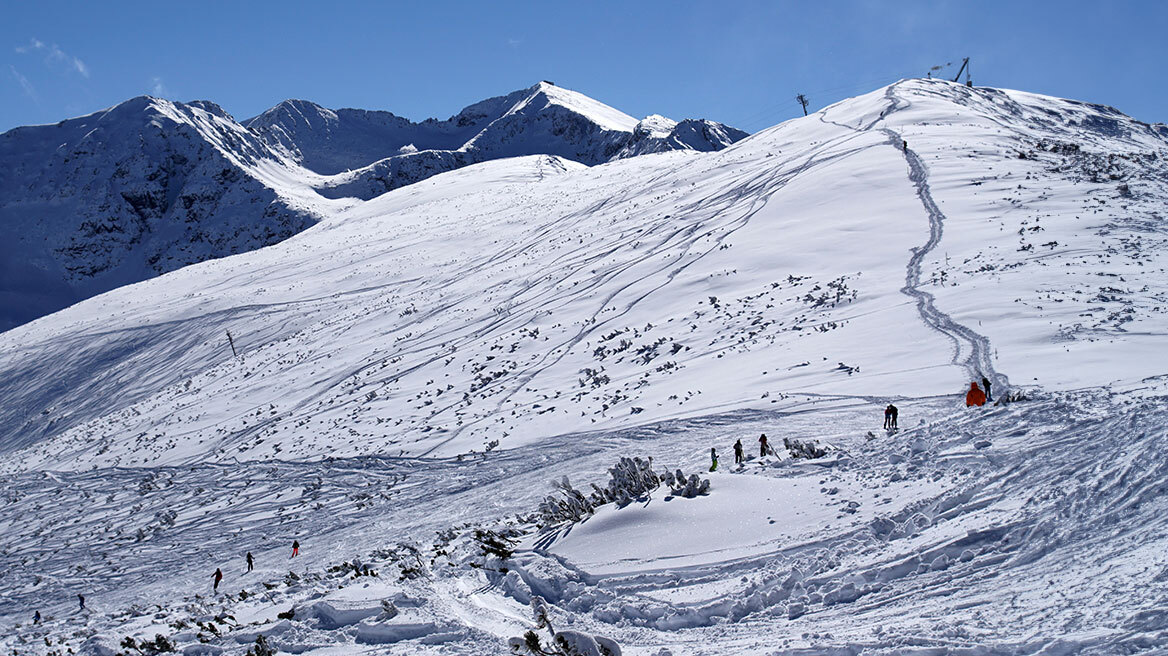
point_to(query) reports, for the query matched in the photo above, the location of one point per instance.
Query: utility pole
(232, 343)
(802, 101)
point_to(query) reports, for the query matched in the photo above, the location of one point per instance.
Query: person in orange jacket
(974, 396)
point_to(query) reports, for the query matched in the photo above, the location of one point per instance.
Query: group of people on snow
(974, 397)
(216, 579)
(739, 454)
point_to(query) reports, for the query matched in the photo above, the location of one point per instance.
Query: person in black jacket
(250, 562)
(890, 414)
(985, 382)
(738, 457)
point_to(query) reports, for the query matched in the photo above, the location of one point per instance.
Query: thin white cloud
(157, 88)
(25, 85)
(33, 44)
(62, 57)
(54, 55)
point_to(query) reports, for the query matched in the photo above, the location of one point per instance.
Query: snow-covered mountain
(149, 186)
(419, 365)
(146, 187)
(369, 153)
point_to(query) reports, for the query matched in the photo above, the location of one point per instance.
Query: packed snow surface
(421, 365)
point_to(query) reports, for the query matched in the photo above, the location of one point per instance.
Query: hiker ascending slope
(762, 446)
(81, 600)
(974, 396)
(738, 457)
(713, 459)
(218, 578)
(985, 382)
(250, 562)
(295, 548)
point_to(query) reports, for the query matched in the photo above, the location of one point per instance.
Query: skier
(250, 562)
(738, 457)
(295, 548)
(974, 396)
(81, 599)
(36, 618)
(713, 459)
(218, 578)
(904, 144)
(762, 446)
(985, 382)
(890, 417)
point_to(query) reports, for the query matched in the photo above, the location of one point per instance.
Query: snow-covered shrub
(574, 643)
(494, 543)
(408, 557)
(1013, 396)
(807, 449)
(261, 647)
(630, 479)
(570, 506)
(159, 645)
(690, 487)
(563, 643)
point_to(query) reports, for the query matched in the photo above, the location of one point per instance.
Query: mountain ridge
(150, 185)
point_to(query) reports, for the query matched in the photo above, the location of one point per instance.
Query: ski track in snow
(970, 350)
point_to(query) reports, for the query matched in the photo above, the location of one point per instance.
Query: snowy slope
(531, 297)
(427, 360)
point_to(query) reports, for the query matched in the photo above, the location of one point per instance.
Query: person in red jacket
(974, 396)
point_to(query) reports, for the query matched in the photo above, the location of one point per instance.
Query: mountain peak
(545, 93)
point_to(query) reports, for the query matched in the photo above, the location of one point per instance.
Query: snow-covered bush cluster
(630, 479)
(808, 450)
(689, 488)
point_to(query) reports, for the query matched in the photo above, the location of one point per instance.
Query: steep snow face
(362, 152)
(143, 188)
(529, 297)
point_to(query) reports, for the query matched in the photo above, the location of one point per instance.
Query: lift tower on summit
(964, 69)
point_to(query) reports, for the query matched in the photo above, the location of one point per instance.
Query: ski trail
(971, 349)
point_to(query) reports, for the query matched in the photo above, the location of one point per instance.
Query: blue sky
(736, 62)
